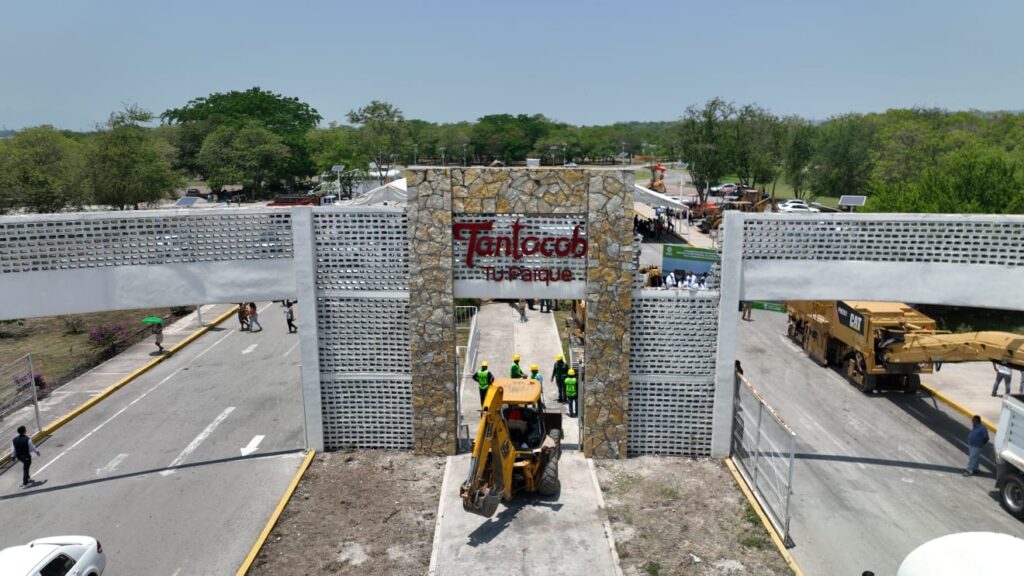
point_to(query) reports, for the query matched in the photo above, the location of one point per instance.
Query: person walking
(254, 318)
(976, 440)
(158, 331)
(484, 378)
(515, 371)
(522, 310)
(571, 392)
(289, 317)
(243, 318)
(22, 449)
(1003, 374)
(747, 307)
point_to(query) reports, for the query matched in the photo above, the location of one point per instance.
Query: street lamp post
(553, 150)
(563, 153)
(442, 155)
(464, 154)
(415, 153)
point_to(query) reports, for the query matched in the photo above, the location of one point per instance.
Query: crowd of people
(562, 375)
(680, 279)
(249, 316)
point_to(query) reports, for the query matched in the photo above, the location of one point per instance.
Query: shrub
(106, 336)
(72, 324)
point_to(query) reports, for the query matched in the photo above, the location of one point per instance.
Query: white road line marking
(112, 465)
(130, 404)
(176, 572)
(253, 445)
(250, 348)
(197, 441)
(290, 350)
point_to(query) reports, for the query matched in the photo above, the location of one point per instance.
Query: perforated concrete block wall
(672, 365)
(362, 275)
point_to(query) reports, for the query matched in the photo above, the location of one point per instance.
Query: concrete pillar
(304, 252)
(728, 316)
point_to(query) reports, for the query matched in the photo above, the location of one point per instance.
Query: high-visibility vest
(570, 386)
(483, 378)
(516, 371)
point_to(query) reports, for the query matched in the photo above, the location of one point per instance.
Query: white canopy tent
(391, 194)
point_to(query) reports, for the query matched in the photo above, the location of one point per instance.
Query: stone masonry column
(431, 312)
(609, 303)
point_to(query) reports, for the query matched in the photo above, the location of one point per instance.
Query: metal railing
(467, 336)
(18, 390)
(762, 447)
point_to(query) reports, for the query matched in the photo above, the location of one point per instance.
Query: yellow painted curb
(957, 406)
(51, 428)
(790, 561)
(274, 517)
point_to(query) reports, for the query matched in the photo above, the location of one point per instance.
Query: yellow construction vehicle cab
(889, 344)
(516, 449)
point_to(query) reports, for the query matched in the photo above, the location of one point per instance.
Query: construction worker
(484, 378)
(516, 371)
(535, 375)
(570, 392)
(558, 375)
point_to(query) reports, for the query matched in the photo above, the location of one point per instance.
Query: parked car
(797, 209)
(793, 202)
(55, 556)
(726, 189)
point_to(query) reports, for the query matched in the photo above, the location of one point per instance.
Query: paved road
(156, 471)
(875, 475)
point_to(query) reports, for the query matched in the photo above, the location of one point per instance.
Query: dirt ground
(365, 512)
(672, 516)
(372, 513)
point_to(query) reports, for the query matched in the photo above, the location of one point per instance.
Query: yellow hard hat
(515, 358)
(533, 367)
(572, 372)
(484, 364)
(559, 357)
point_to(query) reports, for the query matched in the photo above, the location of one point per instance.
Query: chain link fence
(762, 447)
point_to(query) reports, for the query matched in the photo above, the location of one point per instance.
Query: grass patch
(652, 568)
(56, 353)
(750, 515)
(669, 493)
(755, 541)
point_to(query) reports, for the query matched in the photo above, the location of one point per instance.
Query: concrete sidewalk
(969, 384)
(76, 392)
(559, 536)
(536, 341)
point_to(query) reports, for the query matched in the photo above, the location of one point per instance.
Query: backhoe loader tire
(549, 483)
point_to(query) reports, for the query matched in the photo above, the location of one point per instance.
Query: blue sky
(71, 63)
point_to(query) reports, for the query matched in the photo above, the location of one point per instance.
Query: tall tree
(796, 153)
(42, 170)
(288, 117)
(382, 131)
(126, 165)
(843, 155)
(705, 141)
(248, 154)
(757, 145)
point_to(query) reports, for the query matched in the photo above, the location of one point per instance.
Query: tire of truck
(549, 484)
(868, 381)
(911, 383)
(1011, 497)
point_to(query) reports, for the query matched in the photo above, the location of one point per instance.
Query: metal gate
(762, 447)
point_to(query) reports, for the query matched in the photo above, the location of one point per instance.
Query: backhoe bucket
(483, 502)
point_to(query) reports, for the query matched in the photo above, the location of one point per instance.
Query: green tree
(249, 154)
(382, 132)
(797, 149)
(288, 117)
(334, 145)
(705, 140)
(842, 159)
(42, 170)
(126, 165)
(757, 145)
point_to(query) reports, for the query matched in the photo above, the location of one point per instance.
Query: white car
(797, 209)
(793, 201)
(54, 556)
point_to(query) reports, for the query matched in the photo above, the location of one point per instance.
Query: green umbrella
(152, 320)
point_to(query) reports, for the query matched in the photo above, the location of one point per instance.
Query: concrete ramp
(531, 535)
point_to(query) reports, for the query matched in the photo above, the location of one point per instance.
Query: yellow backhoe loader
(516, 449)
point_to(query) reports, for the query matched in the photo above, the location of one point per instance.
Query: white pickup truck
(1009, 449)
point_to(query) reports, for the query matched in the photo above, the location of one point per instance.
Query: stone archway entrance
(567, 203)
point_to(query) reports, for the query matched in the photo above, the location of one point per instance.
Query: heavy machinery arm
(928, 346)
(490, 469)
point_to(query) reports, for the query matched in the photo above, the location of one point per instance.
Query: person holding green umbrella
(158, 331)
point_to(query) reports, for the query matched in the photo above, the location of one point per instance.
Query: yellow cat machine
(889, 344)
(516, 449)
(750, 200)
